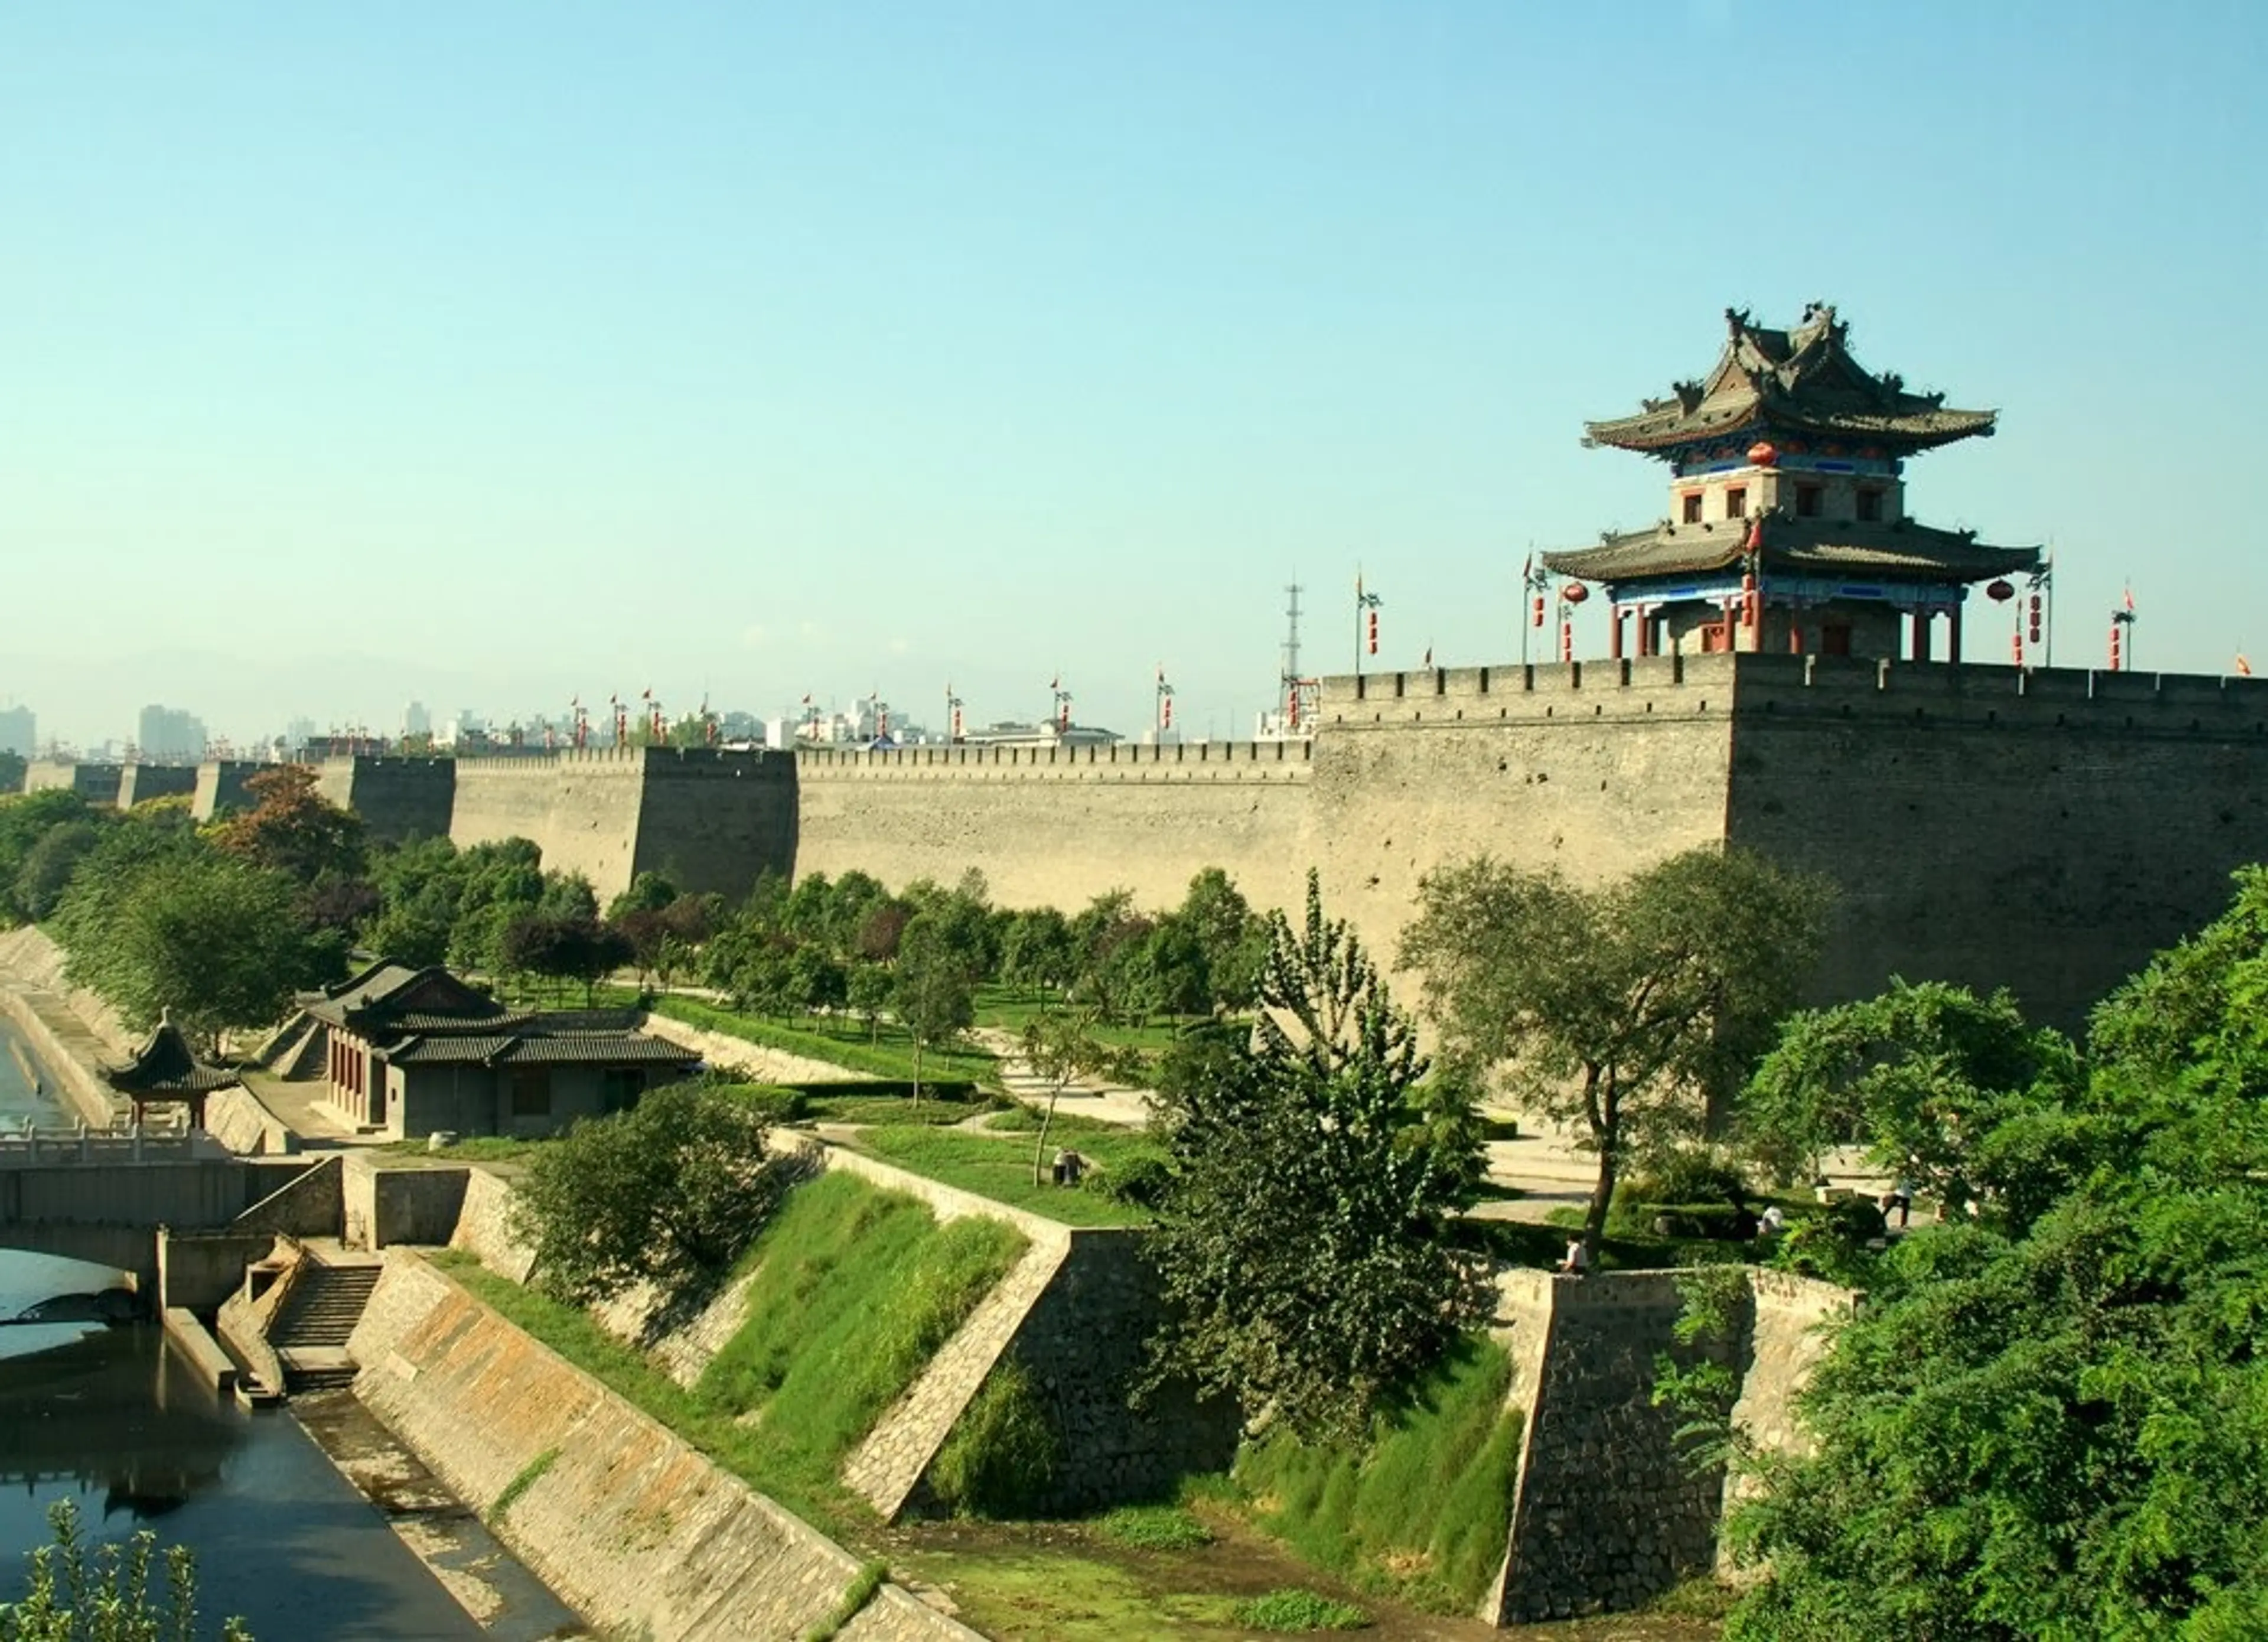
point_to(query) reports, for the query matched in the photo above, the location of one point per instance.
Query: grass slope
(854, 1290)
(884, 1052)
(1000, 1168)
(1423, 1513)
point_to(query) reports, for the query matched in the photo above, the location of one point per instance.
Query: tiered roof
(1900, 550)
(1795, 385)
(164, 1068)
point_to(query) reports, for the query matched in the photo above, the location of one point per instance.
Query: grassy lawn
(852, 1107)
(470, 1149)
(854, 1291)
(885, 1052)
(1011, 1009)
(1001, 1168)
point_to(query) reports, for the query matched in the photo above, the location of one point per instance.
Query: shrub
(1002, 1454)
(1295, 1609)
(1153, 1527)
(1139, 1179)
(1694, 1174)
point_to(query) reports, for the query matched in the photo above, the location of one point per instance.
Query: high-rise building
(415, 720)
(18, 730)
(170, 735)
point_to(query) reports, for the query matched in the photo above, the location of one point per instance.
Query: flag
(1429, 655)
(2243, 667)
(1528, 570)
(646, 695)
(806, 699)
(1055, 683)
(2130, 601)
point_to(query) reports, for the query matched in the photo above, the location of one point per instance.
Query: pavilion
(1787, 527)
(165, 1070)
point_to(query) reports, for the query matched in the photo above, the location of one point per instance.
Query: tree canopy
(1301, 1236)
(2050, 1420)
(668, 1192)
(1622, 1008)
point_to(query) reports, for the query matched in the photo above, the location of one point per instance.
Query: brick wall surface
(626, 1523)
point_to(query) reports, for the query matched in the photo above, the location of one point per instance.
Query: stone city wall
(97, 783)
(398, 799)
(622, 1518)
(1059, 827)
(139, 784)
(707, 819)
(222, 787)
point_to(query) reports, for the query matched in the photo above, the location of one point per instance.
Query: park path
(1106, 1102)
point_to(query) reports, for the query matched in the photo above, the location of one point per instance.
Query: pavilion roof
(165, 1066)
(390, 998)
(1899, 550)
(535, 1046)
(1800, 383)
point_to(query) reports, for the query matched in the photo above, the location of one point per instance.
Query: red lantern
(2116, 649)
(1539, 609)
(2032, 620)
(1574, 592)
(2000, 592)
(1566, 641)
(1763, 455)
(1372, 619)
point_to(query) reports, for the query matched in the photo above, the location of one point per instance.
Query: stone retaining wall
(753, 1061)
(622, 1519)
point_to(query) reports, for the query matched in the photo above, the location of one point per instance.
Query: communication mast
(1300, 695)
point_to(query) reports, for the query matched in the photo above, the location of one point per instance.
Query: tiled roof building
(1787, 528)
(408, 1051)
(165, 1071)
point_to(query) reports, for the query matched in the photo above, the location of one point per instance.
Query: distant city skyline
(492, 357)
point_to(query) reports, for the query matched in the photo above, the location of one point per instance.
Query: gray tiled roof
(1902, 550)
(1802, 381)
(603, 1049)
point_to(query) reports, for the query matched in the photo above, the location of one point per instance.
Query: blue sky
(490, 353)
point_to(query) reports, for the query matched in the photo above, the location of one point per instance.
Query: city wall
(2046, 831)
(706, 820)
(1059, 827)
(139, 784)
(222, 785)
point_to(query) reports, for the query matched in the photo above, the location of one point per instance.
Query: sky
(491, 354)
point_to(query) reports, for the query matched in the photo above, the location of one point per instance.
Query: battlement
(625, 760)
(1906, 692)
(1125, 761)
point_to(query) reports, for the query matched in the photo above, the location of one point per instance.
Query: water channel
(112, 1419)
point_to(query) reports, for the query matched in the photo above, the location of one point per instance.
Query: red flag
(1429, 655)
(2130, 601)
(2243, 667)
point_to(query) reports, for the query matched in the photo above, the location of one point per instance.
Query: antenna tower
(1300, 695)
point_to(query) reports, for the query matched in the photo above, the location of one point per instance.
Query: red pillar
(1921, 635)
(1794, 631)
(1614, 632)
(1953, 635)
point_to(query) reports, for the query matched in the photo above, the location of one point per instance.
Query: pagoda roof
(1802, 382)
(1899, 550)
(390, 998)
(165, 1066)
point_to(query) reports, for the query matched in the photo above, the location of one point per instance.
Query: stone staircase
(327, 1300)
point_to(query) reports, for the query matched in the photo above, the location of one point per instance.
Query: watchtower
(1787, 528)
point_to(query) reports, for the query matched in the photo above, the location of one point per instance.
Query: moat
(112, 1419)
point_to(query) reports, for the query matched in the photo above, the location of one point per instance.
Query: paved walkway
(1084, 1097)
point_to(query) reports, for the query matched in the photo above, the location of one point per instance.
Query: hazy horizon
(489, 356)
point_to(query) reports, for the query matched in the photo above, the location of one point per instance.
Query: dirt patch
(1065, 1582)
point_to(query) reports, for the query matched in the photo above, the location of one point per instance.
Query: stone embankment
(71, 1032)
(617, 1514)
(753, 1061)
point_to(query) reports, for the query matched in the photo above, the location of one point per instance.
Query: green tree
(1925, 1077)
(25, 820)
(1168, 973)
(868, 988)
(669, 1192)
(1234, 941)
(216, 941)
(816, 980)
(1623, 1009)
(1060, 1048)
(933, 988)
(1036, 951)
(46, 869)
(1301, 1240)
(103, 1595)
(649, 892)
(2055, 1425)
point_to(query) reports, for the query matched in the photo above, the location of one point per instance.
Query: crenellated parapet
(1882, 691)
(1126, 760)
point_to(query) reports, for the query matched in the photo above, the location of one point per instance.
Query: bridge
(115, 1198)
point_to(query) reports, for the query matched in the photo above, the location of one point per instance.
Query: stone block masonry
(622, 1519)
(1609, 1510)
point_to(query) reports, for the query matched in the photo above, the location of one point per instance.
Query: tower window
(1692, 507)
(1807, 501)
(1870, 505)
(1737, 502)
